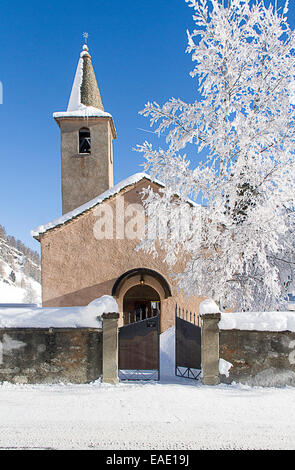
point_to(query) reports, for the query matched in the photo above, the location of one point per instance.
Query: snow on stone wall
(60, 317)
(259, 321)
(208, 307)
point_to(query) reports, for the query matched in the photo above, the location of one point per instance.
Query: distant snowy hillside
(20, 271)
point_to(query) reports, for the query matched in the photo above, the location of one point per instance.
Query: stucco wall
(50, 355)
(265, 358)
(77, 268)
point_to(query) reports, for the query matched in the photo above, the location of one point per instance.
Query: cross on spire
(85, 36)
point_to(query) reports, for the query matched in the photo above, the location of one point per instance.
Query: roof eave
(58, 119)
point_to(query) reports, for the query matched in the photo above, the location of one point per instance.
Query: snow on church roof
(97, 200)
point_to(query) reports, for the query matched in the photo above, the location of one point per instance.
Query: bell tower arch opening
(84, 141)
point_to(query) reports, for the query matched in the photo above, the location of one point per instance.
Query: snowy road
(180, 415)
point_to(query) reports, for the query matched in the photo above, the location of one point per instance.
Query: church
(78, 264)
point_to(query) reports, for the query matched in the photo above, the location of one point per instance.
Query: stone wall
(50, 355)
(263, 358)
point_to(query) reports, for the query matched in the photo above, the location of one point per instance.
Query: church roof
(88, 205)
(85, 99)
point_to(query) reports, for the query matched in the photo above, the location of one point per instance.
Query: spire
(85, 100)
(85, 90)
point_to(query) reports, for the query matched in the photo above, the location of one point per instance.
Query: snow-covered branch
(243, 122)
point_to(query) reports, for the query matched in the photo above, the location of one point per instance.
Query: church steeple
(87, 133)
(85, 90)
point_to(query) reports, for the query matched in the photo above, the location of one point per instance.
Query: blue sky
(138, 53)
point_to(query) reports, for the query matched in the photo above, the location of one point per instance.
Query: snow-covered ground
(15, 285)
(179, 414)
(10, 293)
(174, 413)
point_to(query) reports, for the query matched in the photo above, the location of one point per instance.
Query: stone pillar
(110, 348)
(210, 348)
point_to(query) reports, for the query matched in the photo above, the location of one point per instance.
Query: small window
(84, 140)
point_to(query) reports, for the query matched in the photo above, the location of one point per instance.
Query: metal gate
(187, 344)
(139, 350)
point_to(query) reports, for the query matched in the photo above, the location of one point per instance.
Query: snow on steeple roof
(85, 99)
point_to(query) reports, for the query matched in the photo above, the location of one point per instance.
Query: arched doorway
(145, 278)
(140, 302)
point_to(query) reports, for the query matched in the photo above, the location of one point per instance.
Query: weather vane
(85, 35)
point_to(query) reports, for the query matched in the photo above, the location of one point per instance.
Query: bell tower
(87, 134)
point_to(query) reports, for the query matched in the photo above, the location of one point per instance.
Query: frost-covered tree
(2, 270)
(30, 295)
(238, 242)
(2, 232)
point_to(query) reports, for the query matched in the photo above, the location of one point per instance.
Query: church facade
(90, 250)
